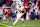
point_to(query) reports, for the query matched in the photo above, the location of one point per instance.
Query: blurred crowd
(33, 8)
(30, 6)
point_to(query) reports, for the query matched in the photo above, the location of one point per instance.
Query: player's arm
(16, 10)
(24, 11)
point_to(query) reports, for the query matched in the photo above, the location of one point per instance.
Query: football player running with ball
(20, 12)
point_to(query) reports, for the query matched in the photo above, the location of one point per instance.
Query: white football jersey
(19, 7)
(36, 9)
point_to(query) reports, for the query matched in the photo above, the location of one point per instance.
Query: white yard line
(20, 25)
(4, 22)
(0, 23)
(23, 25)
(28, 25)
(5, 25)
(10, 26)
(38, 25)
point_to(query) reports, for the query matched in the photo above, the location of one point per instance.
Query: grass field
(28, 23)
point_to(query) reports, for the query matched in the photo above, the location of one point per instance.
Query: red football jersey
(9, 12)
(39, 4)
(10, 1)
(5, 11)
(25, 1)
(26, 7)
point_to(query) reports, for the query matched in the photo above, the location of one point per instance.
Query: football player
(20, 11)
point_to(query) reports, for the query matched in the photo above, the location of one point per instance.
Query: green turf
(28, 23)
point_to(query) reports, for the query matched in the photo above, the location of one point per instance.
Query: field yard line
(10, 26)
(28, 25)
(2, 24)
(5, 25)
(38, 25)
(23, 25)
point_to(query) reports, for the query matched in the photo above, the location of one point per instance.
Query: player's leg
(7, 17)
(22, 18)
(15, 21)
(18, 17)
